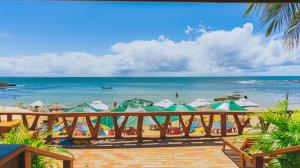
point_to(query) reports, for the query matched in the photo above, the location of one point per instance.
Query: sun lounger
(194, 125)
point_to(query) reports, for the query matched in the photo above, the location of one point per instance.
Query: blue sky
(137, 39)
(35, 27)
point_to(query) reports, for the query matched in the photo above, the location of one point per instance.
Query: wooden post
(186, 128)
(207, 128)
(163, 130)
(223, 124)
(68, 164)
(121, 129)
(27, 159)
(116, 127)
(258, 162)
(240, 126)
(242, 161)
(140, 128)
(9, 117)
(49, 128)
(34, 124)
(25, 121)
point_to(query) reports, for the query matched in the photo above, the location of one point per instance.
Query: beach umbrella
(137, 105)
(57, 106)
(245, 103)
(164, 103)
(99, 105)
(199, 103)
(181, 106)
(227, 105)
(37, 103)
(82, 108)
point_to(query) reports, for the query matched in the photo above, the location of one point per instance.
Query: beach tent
(164, 103)
(199, 103)
(245, 103)
(82, 108)
(97, 104)
(227, 105)
(37, 103)
(137, 105)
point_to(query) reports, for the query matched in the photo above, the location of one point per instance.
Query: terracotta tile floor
(188, 156)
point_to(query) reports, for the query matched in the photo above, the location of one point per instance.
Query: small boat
(233, 96)
(7, 84)
(106, 87)
(236, 95)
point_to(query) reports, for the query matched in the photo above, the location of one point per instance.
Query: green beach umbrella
(227, 105)
(81, 108)
(137, 105)
(180, 106)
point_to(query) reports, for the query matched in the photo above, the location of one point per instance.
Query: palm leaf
(279, 18)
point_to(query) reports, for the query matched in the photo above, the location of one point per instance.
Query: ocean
(75, 90)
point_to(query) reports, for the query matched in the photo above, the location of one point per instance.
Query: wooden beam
(140, 128)
(223, 124)
(27, 159)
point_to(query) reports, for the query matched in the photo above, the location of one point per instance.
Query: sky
(137, 39)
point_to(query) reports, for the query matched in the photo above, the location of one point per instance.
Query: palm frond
(279, 18)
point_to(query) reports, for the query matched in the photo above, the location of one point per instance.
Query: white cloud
(188, 30)
(235, 52)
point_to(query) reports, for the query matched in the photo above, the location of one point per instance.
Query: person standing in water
(177, 95)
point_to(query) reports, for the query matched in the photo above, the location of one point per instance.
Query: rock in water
(7, 84)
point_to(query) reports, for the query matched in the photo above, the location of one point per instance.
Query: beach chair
(216, 128)
(195, 124)
(173, 131)
(110, 132)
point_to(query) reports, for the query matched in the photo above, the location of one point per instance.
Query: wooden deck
(189, 156)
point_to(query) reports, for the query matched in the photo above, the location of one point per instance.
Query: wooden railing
(258, 158)
(70, 120)
(21, 157)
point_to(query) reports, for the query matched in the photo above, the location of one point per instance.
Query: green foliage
(21, 135)
(283, 131)
(279, 17)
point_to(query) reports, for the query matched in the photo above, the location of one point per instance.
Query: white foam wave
(248, 82)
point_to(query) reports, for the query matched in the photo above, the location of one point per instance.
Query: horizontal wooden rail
(24, 153)
(258, 158)
(69, 121)
(279, 151)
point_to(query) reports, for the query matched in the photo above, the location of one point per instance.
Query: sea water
(75, 90)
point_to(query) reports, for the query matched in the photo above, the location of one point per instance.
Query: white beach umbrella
(164, 103)
(37, 103)
(97, 104)
(245, 103)
(199, 103)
